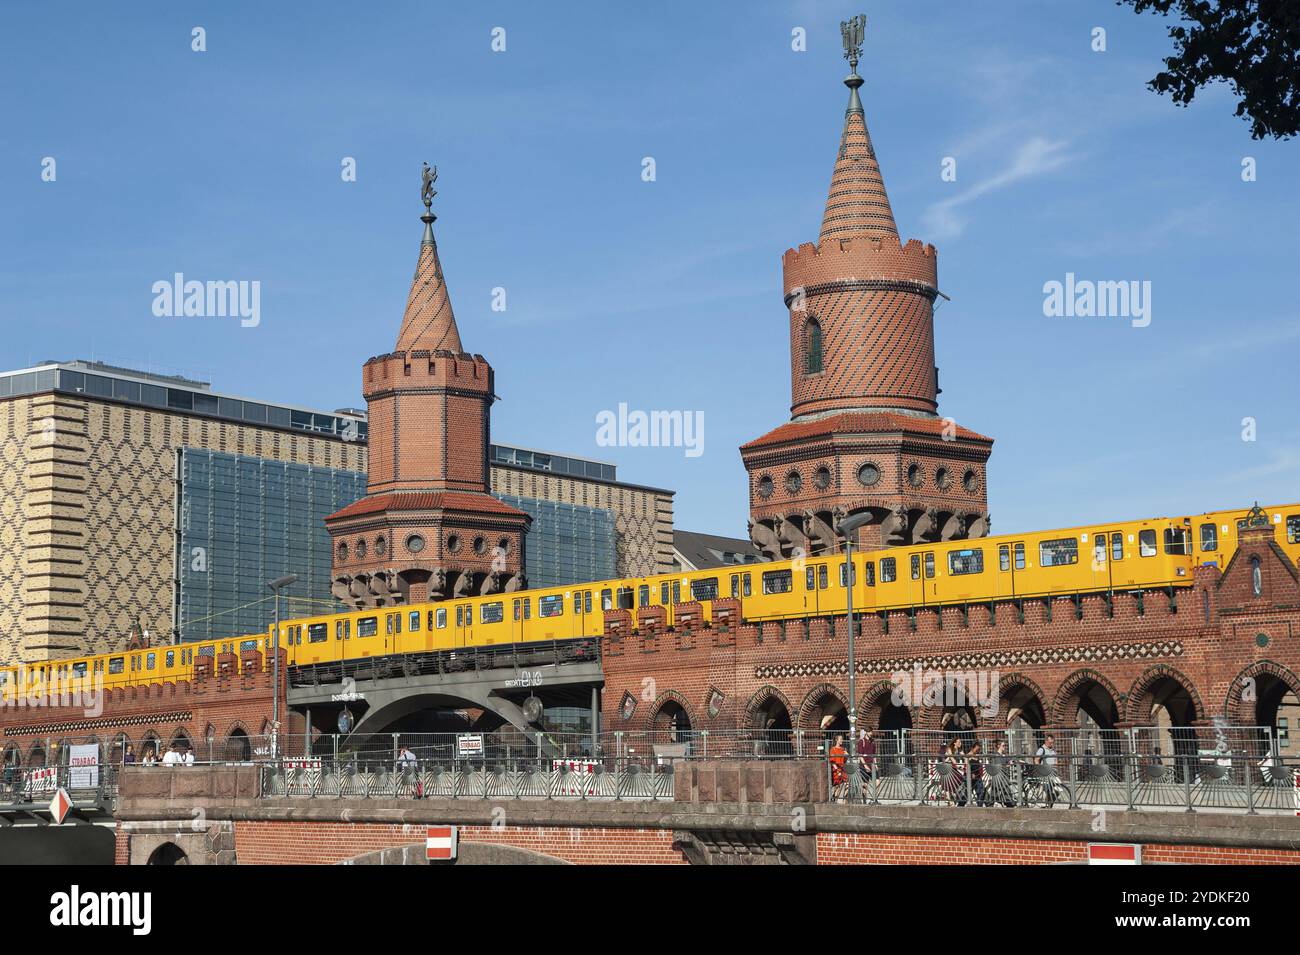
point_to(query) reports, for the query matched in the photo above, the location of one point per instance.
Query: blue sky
(667, 294)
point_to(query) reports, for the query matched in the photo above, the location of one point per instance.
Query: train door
(922, 578)
(1110, 568)
(464, 625)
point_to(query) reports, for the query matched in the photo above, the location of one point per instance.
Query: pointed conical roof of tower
(858, 203)
(428, 323)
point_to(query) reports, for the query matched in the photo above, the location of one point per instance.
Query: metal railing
(524, 779)
(1218, 781)
(36, 786)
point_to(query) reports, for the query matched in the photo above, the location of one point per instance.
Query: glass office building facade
(245, 521)
(568, 543)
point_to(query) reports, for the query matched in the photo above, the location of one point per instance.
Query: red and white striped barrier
(1114, 853)
(440, 843)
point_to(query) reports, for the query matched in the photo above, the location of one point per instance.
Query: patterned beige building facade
(88, 490)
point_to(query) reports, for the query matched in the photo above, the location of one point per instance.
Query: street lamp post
(849, 527)
(276, 586)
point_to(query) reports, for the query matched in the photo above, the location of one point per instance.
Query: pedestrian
(173, 755)
(407, 763)
(975, 768)
(837, 757)
(1046, 756)
(128, 757)
(867, 752)
(187, 757)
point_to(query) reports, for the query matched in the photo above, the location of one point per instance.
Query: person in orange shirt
(838, 756)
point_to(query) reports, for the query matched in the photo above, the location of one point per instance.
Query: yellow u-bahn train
(1100, 557)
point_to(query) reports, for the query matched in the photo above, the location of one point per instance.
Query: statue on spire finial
(427, 192)
(852, 31)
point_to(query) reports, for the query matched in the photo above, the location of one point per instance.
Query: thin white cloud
(1035, 157)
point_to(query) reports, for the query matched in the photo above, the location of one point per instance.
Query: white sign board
(83, 765)
(469, 744)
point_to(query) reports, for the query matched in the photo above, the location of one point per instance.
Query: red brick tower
(864, 433)
(427, 528)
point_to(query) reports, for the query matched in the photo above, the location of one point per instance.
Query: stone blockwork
(1190, 655)
(87, 515)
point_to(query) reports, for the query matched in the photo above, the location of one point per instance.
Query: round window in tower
(415, 543)
(970, 481)
(343, 551)
(765, 486)
(480, 545)
(868, 475)
(915, 476)
(503, 545)
(943, 479)
(362, 550)
(822, 478)
(453, 543)
(381, 547)
(793, 482)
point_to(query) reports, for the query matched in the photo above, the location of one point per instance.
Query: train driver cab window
(1147, 543)
(778, 582)
(1293, 528)
(1210, 537)
(607, 600)
(441, 617)
(916, 566)
(414, 621)
(1004, 557)
(888, 570)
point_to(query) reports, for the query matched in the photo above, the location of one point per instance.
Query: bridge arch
(1091, 694)
(671, 716)
(769, 709)
(238, 746)
(1021, 703)
(878, 711)
(1270, 684)
(1161, 687)
(169, 853)
(825, 708)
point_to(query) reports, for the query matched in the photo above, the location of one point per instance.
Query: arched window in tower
(1256, 577)
(812, 337)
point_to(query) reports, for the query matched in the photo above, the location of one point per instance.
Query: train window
(871, 572)
(586, 601)
(79, 669)
(642, 597)
(1020, 556)
(855, 575)
(1099, 548)
(244, 645)
(888, 570)
(1058, 553)
(318, 632)
(338, 629)
(397, 623)
(528, 607)
(367, 626)
(171, 659)
(625, 596)
(607, 600)
(1116, 546)
(778, 582)
(552, 605)
(746, 587)
(706, 589)
(116, 664)
(493, 612)
(1147, 543)
(810, 579)
(460, 614)
(514, 607)
(735, 585)
(414, 622)
(966, 561)
(1178, 542)
(441, 617)
(388, 621)
(577, 601)
(150, 661)
(821, 577)
(664, 593)
(1004, 557)
(916, 566)
(1293, 528)
(677, 591)
(1210, 536)
(929, 564)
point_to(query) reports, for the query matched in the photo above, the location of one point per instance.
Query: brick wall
(893, 849)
